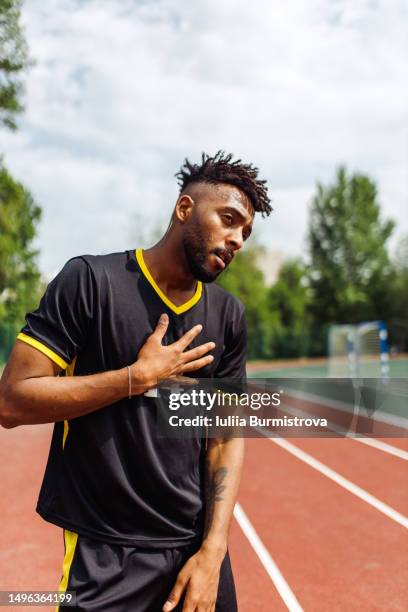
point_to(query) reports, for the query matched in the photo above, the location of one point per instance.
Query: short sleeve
(233, 360)
(60, 325)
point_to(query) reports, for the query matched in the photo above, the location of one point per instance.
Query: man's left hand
(200, 576)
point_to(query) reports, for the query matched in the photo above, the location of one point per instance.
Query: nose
(235, 239)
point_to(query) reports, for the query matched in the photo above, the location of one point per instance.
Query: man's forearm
(199, 577)
(49, 399)
(223, 472)
(31, 393)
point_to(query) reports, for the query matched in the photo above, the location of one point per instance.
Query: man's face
(220, 222)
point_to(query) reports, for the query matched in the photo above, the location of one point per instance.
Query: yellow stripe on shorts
(70, 539)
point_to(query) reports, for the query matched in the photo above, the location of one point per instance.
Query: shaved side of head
(202, 192)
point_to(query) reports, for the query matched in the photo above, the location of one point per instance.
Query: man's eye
(228, 218)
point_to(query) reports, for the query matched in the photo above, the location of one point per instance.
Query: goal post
(359, 350)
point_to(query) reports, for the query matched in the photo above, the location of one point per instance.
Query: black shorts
(112, 578)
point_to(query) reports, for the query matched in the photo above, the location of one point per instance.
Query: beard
(196, 252)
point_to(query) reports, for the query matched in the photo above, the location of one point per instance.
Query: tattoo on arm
(213, 493)
(218, 479)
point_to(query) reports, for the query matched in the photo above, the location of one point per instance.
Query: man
(145, 519)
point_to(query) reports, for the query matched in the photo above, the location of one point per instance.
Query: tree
(289, 298)
(13, 61)
(19, 275)
(19, 215)
(396, 297)
(244, 279)
(349, 259)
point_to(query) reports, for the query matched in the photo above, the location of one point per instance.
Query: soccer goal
(359, 350)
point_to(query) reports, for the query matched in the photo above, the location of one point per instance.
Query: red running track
(335, 551)
(31, 550)
(381, 474)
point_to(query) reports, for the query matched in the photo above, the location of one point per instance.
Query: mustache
(225, 254)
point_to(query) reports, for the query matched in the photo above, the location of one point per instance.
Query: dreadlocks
(220, 169)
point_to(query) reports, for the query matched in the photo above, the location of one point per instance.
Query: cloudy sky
(123, 90)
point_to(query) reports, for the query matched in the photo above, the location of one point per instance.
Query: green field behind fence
(7, 338)
(398, 369)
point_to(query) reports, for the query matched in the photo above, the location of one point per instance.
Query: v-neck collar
(177, 309)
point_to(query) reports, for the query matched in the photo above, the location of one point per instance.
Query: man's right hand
(156, 361)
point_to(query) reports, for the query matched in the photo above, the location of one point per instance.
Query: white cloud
(122, 92)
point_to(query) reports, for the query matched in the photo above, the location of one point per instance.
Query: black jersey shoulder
(223, 297)
(108, 263)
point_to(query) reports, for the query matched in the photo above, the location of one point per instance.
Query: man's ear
(184, 208)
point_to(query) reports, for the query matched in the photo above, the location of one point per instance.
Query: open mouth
(226, 256)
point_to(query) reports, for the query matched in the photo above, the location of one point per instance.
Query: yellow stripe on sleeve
(44, 349)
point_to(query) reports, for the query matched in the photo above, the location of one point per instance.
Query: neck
(168, 266)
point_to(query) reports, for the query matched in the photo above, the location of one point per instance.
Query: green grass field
(398, 369)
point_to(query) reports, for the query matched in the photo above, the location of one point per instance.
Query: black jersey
(109, 474)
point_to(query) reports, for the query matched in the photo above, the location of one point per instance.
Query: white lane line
(269, 564)
(378, 444)
(340, 480)
(383, 446)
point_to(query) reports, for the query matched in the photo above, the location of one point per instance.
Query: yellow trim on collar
(44, 349)
(177, 309)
